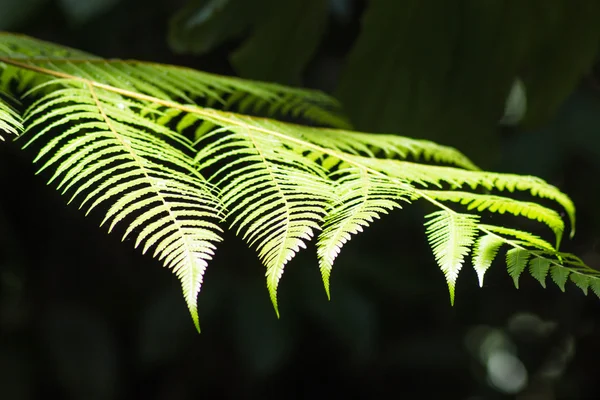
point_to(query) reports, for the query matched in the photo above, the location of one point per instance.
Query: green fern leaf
(10, 120)
(486, 249)
(498, 204)
(171, 206)
(559, 276)
(582, 281)
(516, 260)
(387, 146)
(524, 238)
(436, 175)
(160, 151)
(539, 267)
(595, 285)
(276, 200)
(172, 83)
(451, 236)
(363, 198)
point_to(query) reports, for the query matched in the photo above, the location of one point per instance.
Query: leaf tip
(196, 320)
(325, 273)
(480, 278)
(327, 292)
(273, 295)
(194, 314)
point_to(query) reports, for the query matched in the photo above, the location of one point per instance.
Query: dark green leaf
(202, 25)
(283, 41)
(444, 69)
(539, 268)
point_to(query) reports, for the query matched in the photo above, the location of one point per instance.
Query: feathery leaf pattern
(486, 249)
(516, 261)
(173, 156)
(10, 120)
(451, 236)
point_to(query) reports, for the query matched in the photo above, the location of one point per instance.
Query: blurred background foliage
(84, 316)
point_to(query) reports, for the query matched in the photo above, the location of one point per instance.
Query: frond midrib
(226, 118)
(144, 170)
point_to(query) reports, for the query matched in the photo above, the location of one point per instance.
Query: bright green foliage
(10, 120)
(362, 198)
(451, 236)
(501, 205)
(522, 237)
(486, 249)
(169, 157)
(516, 261)
(120, 162)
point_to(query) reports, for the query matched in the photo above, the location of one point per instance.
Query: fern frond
(539, 268)
(523, 238)
(516, 260)
(385, 146)
(436, 175)
(559, 276)
(274, 198)
(530, 250)
(158, 148)
(582, 275)
(485, 251)
(582, 281)
(22, 46)
(451, 236)
(138, 169)
(362, 199)
(173, 83)
(500, 205)
(10, 120)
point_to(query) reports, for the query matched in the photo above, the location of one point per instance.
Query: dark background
(84, 316)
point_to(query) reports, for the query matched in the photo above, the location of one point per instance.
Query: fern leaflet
(539, 267)
(10, 120)
(498, 204)
(559, 276)
(451, 236)
(516, 260)
(486, 249)
(362, 199)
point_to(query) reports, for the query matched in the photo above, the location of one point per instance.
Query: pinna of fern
(10, 120)
(159, 151)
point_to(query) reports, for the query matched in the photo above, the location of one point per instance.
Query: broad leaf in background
(79, 12)
(202, 25)
(444, 69)
(283, 35)
(564, 52)
(408, 88)
(284, 40)
(13, 12)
